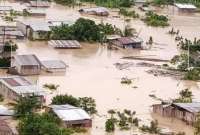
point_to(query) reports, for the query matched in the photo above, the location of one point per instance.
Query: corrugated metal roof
(5, 8)
(64, 44)
(21, 85)
(25, 60)
(39, 3)
(54, 64)
(40, 26)
(185, 6)
(191, 107)
(95, 9)
(4, 111)
(70, 113)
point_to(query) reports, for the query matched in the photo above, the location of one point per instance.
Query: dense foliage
(44, 124)
(197, 125)
(25, 106)
(10, 46)
(4, 62)
(185, 96)
(106, 3)
(84, 30)
(153, 19)
(86, 103)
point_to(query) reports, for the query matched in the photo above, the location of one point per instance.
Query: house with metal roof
(39, 4)
(4, 111)
(185, 7)
(65, 44)
(35, 29)
(184, 111)
(13, 87)
(26, 64)
(99, 11)
(54, 66)
(126, 42)
(72, 116)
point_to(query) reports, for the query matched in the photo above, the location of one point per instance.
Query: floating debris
(124, 65)
(126, 80)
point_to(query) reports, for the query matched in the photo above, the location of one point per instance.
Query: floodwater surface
(92, 71)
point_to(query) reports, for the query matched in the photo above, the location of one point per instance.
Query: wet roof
(70, 113)
(191, 107)
(95, 9)
(185, 6)
(21, 85)
(40, 26)
(54, 64)
(27, 60)
(4, 111)
(5, 8)
(64, 44)
(39, 3)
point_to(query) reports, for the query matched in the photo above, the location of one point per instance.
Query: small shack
(126, 42)
(184, 111)
(34, 30)
(40, 4)
(26, 64)
(65, 44)
(72, 116)
(99, 11)
(185, 7)
(13, 87)
(54, 66)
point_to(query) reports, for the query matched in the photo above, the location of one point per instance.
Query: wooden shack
(26, 64)
(127, 42)
(186, 112)
(72, 116)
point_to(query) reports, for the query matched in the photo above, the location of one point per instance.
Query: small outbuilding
(65, 44)
(39, 4)
(184, 111)
(126, 42)
(54, 65)
(99, 11)
(26, 64)
(34, 30)
(13, 87)
(185, 7)
(72, 116)
(36, 12)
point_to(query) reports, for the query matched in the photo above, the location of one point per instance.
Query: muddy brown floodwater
(92, 72)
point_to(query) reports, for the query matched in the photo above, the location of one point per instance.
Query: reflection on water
(92, 72)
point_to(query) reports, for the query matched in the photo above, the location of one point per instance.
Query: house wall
(7, 92)
(22, 27)
(80, 123)
(29, 70)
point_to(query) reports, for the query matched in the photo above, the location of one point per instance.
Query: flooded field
(92, 71)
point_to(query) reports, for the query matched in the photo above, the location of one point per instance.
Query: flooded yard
(92, 71)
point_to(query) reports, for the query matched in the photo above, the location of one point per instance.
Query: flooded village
(87, 68)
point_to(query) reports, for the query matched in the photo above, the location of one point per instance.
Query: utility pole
(188, 55)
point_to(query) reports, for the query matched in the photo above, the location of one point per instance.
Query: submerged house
(54, 66)
(26, 64)
(185, 7)
(13, 87)
(99, 11)
(186, 112)
(72, 116)
(34, 30)
(40, 4)
(126, 42)
(65, 44)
